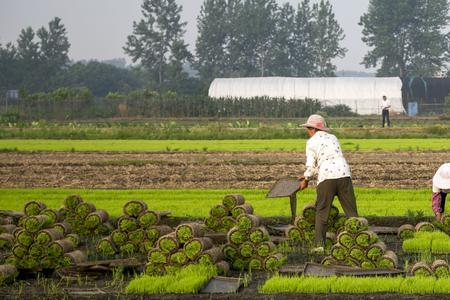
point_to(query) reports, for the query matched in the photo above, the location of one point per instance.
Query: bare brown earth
(204, 170)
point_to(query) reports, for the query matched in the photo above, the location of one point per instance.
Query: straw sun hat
(316, 121)
(442, 177)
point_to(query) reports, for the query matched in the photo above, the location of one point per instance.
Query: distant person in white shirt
(385, 106)
(324, 158)
(441, 187)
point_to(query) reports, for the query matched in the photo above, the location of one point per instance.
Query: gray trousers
(326, 190)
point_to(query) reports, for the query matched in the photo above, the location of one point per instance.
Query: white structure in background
(362, 94)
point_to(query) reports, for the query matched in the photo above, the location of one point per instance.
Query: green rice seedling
(425, 226)
(6, 241)
(358, 253)
(119, 237)
(36, 251)
(309, 213)
(339, 252)
(106, 246)
(218, 211)
(440, 269)
(352, 262)
(83, 209)
(445, 220)
(314, 285)
(154, 269)
(439, 246)
(156, 256)
(58, 248)
(134, 208)
(367, 264)
(366, 238)
(365, 285)
(53, 214)
(303, 224)
(346, 239)
(171, 269)
(24, 237)
(421, 269)
(406, 232)
(75, 238)
(8, 274)
(389, 260)
(33, 208)
(416, 245)
(328, 261)
(246, 249)
(186, 232)
(196, 246)
(227, 223)
(431, 235)
(136, 236)
(355, 225)
(246, 222)
(441, 286)
(273, 262)
(63, 227)
(48, 263)
(229, 251)
(231, 201)
(375, 251)
(259, 234)
(212, 223)
(148, 218)
(35, 223)
(280, 284)
(128, 248)
(256, 263)
(293, 233)
(72, 201)
(242, 209)
(128, 224)
(75, 257)
(95, 219)
(178, 258)
(265, 249)
(46, 236)
(146, 246)
(168, 243)
(239, 264)
(11, 260)
(155, 232)
(418, 285)
(148, 284)
(211, 256)
(236, 236)
(339, 223)
(20, 251)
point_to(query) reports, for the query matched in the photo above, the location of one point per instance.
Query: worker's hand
(303, 184)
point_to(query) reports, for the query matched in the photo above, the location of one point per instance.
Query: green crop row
(432, 242)
(217, 145)
(197, 202)
(355, 285)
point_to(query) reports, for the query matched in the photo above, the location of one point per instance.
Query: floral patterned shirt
(324, 158)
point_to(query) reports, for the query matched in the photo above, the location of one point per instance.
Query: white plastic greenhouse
(362, 94)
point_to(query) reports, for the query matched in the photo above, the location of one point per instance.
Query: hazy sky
(97, 29)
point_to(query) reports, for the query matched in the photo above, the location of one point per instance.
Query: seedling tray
(222, 285)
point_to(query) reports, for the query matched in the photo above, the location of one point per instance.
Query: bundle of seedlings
(249, 246)
(136, 232)
(406, 231)
(83, 217)
(222, 217)
(436, 242)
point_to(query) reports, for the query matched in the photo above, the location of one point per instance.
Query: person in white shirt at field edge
(324, 158)
(385, 106)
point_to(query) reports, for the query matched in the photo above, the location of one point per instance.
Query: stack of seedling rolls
(184, 246)
(136, 232)
(222, 217)
(357, 246)
(42, 243)
(439, 268)
(84, 218)
(249, 246)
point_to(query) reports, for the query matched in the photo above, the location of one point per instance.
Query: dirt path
(204, 170)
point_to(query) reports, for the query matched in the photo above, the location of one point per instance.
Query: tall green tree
(283, 46)
(406, 37)
(328, 35)
(28, 55)
(9, 73)
(157, 40)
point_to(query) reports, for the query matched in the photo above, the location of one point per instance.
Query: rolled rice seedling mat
(6, 241)
(19, 251)
(358, 253)
(355, 263)
(83, 209)
(154, 270)
(211, 256)
(186, 232)
(339, 224)
(309, 213)
(425, 226)
(366, 238)
(294, 233)
(303, 224)
(119, 237)
(22, 220)
(157, 256)
(53, 214)
(230, 251)
(8, 274)
(126, 223)
(223, 268)
(37, 251)
(155, 232)
(265, 249)
(236, 236)
(72, 201)
(256, 263)
(178, 258)
(246, 249)
(227, 223)
(149, 218)
(339, 252)
(440, 268)
(231, 201)
(439, 246)
(46, 236)
(75, 238)
(146, 246)
(445, 220)
(8, 228)
(128, 248)
(346, 239)
(247, 222)
(196, 246)
(137, 236)
(74, 257)
(416, 245)
(375, 251)
(106, 246)
(6, 221)
(328, 261)
(239, 263)
(58, 248)
(389, 260)
(35, 223)
(259, 234)
(24, 237)
(273, 262)
(421, 269)
(63, 227)
(96, 218)
(212, 223)
(219, 211)
(242, 209)
(406, 231)
(134, 208)
(356, 224)
(168, 243)
(33, 208)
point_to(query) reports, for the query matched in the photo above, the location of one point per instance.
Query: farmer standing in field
(324, 158)
(385, 106)
(441, 187)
